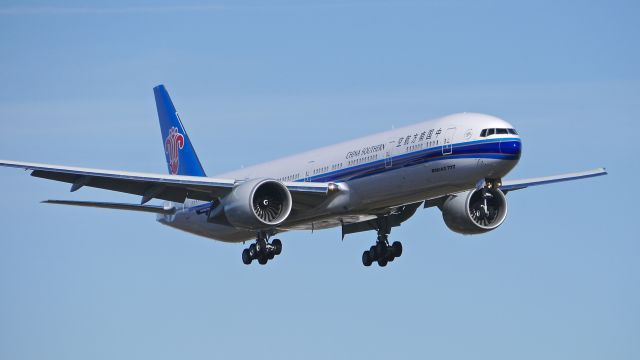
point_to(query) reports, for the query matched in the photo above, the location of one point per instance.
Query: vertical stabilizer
(181, 156)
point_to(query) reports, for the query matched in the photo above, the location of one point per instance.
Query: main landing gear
(382, 252)
(262, 250)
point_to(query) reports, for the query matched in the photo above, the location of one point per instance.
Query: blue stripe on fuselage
(487, 149)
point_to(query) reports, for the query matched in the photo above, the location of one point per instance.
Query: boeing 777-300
(455, 163)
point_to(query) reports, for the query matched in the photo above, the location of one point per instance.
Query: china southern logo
(172, 146)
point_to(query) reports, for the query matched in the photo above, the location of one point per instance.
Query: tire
(372, 253)
(366, 258)
(382, 262)
(278, 245)
(262, 260)
(381, 250)
(253, 251)
(246, 257)
(271, 255)
(397, 248)
(262, 247)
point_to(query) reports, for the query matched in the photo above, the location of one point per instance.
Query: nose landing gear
(262, 250)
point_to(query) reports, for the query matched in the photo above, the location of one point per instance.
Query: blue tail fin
(181, 156)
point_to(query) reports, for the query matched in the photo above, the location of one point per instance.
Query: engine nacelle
(257, 204)
(475, 211)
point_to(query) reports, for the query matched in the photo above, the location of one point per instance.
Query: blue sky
(256, 81)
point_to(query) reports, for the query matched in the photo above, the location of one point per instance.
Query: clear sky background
(255, 80)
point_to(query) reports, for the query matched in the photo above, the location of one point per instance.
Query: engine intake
(258, 204)
(475, 211)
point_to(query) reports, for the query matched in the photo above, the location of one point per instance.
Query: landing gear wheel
(253, 250)
(277, 244)
(261, 246)
(390, 256)
(262, 259)
(397, 248)
(271, 255)
(366, 258)
(381, 249)
(246, 257)
(373, 254)
(382, 262)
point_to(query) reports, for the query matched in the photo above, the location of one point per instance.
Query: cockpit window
(499, 131)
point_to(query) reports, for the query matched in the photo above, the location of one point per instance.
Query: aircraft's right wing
(117, 206)
(160, 186)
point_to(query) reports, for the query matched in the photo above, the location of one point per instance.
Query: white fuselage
(377, 173)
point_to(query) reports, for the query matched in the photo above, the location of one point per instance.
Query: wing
(510, 185)
(117, 206)
(166, 187)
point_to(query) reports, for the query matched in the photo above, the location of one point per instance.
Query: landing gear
(382, 252)
(262, 250)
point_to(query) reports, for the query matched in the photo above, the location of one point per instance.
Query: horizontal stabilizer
(117, 206)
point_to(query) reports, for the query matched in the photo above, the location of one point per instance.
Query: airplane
(375, 183)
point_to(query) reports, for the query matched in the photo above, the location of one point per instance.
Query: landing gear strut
(382, 252)
(262, 250)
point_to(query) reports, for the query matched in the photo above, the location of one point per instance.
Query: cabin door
(447, 147)
(388, 154)
(308, 171)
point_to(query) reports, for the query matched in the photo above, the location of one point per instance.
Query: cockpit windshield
(497, 131)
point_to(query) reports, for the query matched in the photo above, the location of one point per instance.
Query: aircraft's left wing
(166, 187)
(510, 185)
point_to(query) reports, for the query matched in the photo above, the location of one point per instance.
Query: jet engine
(257, 204)
(474, 211)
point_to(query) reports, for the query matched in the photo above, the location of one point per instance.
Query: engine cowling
(257, 204)
(475, 211)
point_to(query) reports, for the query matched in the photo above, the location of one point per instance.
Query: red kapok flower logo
(172, 145)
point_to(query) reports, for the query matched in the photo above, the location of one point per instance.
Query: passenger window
(501, 131)
(490, 132)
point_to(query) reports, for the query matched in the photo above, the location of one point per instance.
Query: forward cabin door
(388, 154)
(447, 147)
